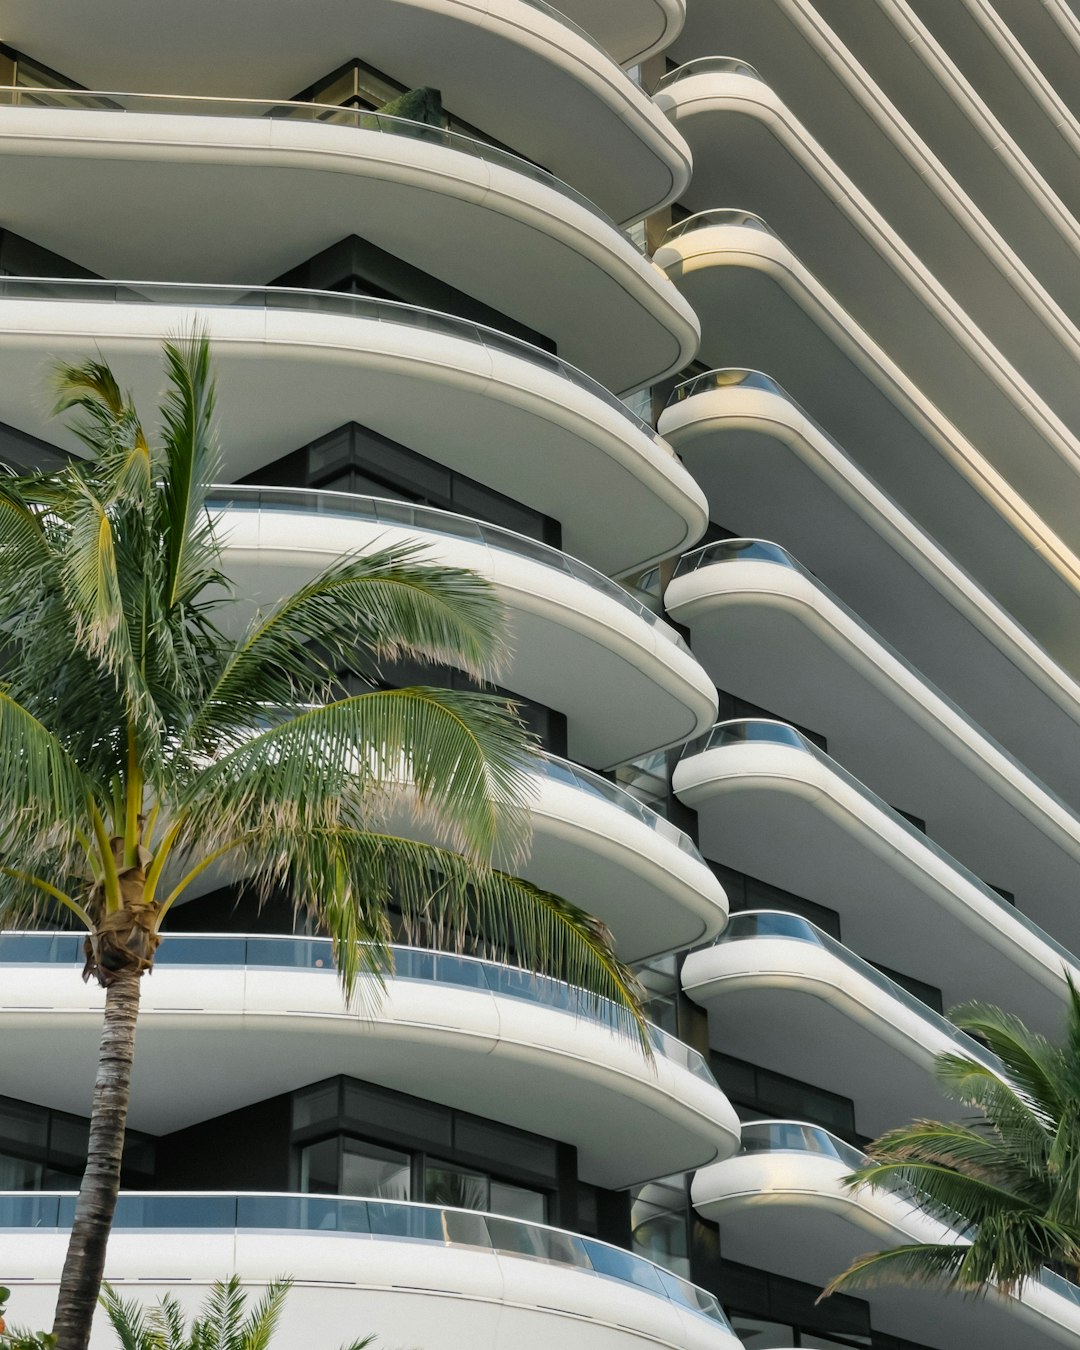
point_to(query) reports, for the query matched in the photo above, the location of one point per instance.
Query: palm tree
(136, 737)
(221, 1325)
(1009, 1180)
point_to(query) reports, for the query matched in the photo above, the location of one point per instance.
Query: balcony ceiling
(773, 473)
(769, 634)
(244, 199)
(506, 66)
(255, 1033)
(287, 377)
(761, 308)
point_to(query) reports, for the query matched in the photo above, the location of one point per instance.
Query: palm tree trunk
(84, 1265)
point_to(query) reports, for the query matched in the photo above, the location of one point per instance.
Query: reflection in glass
(369, 1170)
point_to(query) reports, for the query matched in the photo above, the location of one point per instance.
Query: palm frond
(918, 1263)
(259, 1327)
(1028, 1058)
(190, 465)
(130, 1322)
(381, 606)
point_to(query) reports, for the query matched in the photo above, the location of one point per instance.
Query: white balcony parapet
(478, 217)
(501, 65)
(768, 630)
(644, 688)
(428, 1274)
(292, 363)
(265, 1015)
(925, 272)
(783, 1198)
(784, 994)
(773, 805)
(763, 461)
(761, 307)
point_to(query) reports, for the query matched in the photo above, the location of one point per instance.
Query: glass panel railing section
(93, 291)
(563, 771)
(717, 215)
(258, 951)
(708, 65)
(327, 113)
(396, 1219)
(770, 924)
(737, 550)
(740, 731)
(387, 511)
(795, 1136)
(726, 377)
(762, 550)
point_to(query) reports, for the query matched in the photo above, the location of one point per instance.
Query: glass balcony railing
(719, 215)
(92, 291)
(389, 511)
(762, 550)
(708, 65)
(794, 1136)
(766, 925)
(269, 952)
(725, 378)
(97, 100)
(398, 1220)
(563, 771)
(779, 733)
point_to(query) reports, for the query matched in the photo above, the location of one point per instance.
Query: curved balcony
(766, 463)
(767, 630)
(911, 258)
(773, 805)
(988, 43)
(481, 219)
(632, 31)
(783, 1198)
(624, 678)
(762, 308)
(292, 363)
(265, 1015)
(623, 862)
(501, 65)
(411, 1273)
(781, 993)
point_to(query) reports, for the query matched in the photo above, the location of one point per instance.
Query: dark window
(758, 1093)
(747, 892)
(41, 1148)
(355, 266)
(926, 993)
(27, 454)
(356, 459)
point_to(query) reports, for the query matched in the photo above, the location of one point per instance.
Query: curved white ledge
(406, 1292)
(795, 820)
(644, 690)
(979, 38)
(792, 1207)
(257, 1032)
(631, 31)
(495, 230)
(808, 1012)
(770, 467)
(766, 631)
(657, 894)
(288, 376)
(941, 289)
(761, 307)
(501, 65)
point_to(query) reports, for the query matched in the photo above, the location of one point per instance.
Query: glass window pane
(319, 1168)
(369, 1170)
(758, 1334)
(518, 1202)
(16, 1174)
(445, 1184)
